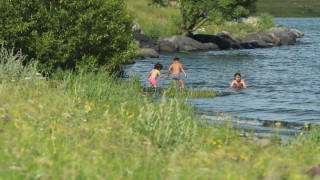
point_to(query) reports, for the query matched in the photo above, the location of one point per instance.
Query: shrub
(11, 63)
(69, 34)
(265, 22)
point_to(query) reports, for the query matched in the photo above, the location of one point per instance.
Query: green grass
(181, 93)
(290, 8)
(157, 21)
(154, 21)
(90, 126)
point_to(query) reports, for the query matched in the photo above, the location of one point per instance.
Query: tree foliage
(68, 34)
(195, 13)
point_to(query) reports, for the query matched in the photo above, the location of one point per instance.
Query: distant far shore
(289, 8)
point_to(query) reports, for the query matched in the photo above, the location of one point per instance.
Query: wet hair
(237, 74)
(158, 66)
(176, 59)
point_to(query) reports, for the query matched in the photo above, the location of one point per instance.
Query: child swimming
(238, 82)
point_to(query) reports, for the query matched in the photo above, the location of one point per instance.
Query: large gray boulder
(167, 47)
(256, 40)
(297, 33)
(147, 53)
(233, 42)
(267, 38)
(283, 34)
(180, 43)
(145, 41)
(207, 38)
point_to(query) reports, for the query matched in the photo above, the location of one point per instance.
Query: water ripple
(282, 81)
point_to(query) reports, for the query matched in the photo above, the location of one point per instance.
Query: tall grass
(91, 126)
(155, 21)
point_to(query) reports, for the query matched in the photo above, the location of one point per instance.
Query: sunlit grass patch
(185, 93)
(191, 93)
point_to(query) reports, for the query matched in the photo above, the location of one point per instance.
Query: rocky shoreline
(275, 36)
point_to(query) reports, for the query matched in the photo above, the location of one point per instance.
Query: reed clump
(181, 93)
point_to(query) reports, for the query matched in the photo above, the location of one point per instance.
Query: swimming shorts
(152, 81)
(176, 76)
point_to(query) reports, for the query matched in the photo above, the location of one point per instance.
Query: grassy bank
(290, 8)
(90, 126)
(157, 21)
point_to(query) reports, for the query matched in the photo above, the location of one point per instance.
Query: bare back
(154, 73)
(176, 68)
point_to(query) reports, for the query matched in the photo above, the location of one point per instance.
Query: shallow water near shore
(283, 82)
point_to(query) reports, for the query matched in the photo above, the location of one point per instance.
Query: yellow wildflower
(243, 157)
(229, 176)
(211, 141)
(79, 100)
(195, 159)
(131, 116)
(16, 125)
(88, 109)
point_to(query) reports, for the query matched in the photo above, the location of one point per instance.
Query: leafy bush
(69, 34)
(11, 63)
(265, 21)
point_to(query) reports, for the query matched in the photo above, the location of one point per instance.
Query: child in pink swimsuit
(153, 74)
(238, 82)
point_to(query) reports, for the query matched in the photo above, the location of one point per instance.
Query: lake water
(283, 82)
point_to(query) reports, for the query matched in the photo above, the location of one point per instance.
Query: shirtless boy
(175, 68)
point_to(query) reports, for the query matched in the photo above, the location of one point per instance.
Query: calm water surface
(283, 82)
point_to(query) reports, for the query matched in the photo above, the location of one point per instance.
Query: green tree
(195, 13)
(69, 34)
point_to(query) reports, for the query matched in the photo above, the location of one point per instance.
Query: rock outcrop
(148, 47)
(180, 43)
(275, 36)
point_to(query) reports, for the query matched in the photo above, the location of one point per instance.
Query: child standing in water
(153, 74)
(176, 68)
(238, 82)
